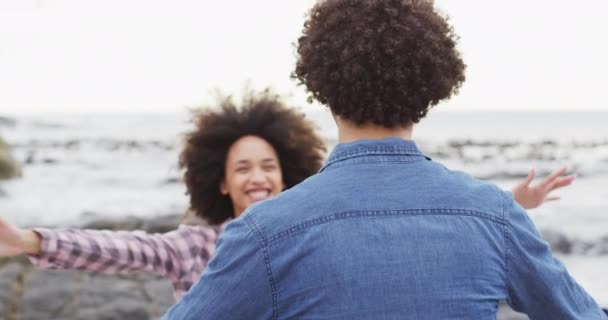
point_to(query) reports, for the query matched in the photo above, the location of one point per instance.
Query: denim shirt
(383, 232)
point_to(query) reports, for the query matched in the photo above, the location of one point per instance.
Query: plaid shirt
(180, 255)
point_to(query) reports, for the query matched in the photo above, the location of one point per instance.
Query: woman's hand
(15, 241)
(531, 197)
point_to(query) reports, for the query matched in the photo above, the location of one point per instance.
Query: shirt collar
(387, 146)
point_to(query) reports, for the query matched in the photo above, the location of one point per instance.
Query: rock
(29, 293)
(603, 245)
(598, 247)
(52, 294)
(9, 276)
(7, 122)
(126, 223)
(46, 293)
(159, 293)
(563, 244)
(162, 224)
(171, 180)
(114, 311)
(558, 241)
(49, 161)
(9, 168)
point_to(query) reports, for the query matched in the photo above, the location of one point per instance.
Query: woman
(235, 157)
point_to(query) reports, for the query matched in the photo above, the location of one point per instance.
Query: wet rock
(112, 311)
(563, 244)
(51, 294)
(171, 180)
(7, 122)
(9, 168)
(162, 224)
(127, 223)
(29, 293)
(47, 292)
(558, 241)
(9, 277)
(49, 161)
(599, 247)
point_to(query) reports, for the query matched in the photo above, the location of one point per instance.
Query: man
(382, 232)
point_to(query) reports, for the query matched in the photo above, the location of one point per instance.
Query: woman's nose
(258, 175)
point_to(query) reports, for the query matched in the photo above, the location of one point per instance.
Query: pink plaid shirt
(180, 255)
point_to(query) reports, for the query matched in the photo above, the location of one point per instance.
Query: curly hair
(385, 62)
(300, 150)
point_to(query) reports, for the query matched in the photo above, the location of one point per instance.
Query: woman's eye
(242, 169)
(269, 167)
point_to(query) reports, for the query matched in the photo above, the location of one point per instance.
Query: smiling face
(253, 173)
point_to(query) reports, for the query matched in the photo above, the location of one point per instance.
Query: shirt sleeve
(236, 283)
(168, 254)
(539, 284)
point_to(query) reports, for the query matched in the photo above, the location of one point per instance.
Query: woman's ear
(223, 189)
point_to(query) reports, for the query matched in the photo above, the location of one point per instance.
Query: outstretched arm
(538, 284)
(110, 251)
(532, 196)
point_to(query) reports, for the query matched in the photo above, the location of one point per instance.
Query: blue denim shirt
(383, 232)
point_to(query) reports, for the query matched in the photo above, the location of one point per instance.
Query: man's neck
(349, 132)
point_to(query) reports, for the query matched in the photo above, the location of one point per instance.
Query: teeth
(258, 195)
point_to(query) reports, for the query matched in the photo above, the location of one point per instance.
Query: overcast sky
(163, 56)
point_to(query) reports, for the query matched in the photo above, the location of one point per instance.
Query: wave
(567, 245)
(7, 122)
(483, 159)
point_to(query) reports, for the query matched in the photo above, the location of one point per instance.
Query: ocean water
(79, 168)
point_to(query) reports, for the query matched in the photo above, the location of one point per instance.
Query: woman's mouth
(258, 194)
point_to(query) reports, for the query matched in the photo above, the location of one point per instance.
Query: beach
(120, 171)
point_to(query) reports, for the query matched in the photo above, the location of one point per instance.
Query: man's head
(380, 62)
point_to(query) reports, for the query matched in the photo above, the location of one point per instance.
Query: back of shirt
(388, 240)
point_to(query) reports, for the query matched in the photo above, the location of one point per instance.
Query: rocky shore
(27, 293)
(9, 168)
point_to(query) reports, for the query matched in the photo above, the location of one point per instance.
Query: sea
(78, 168)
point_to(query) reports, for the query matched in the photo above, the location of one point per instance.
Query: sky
(96, 56)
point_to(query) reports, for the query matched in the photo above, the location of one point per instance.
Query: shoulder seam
(261, 240)
(506, 237)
